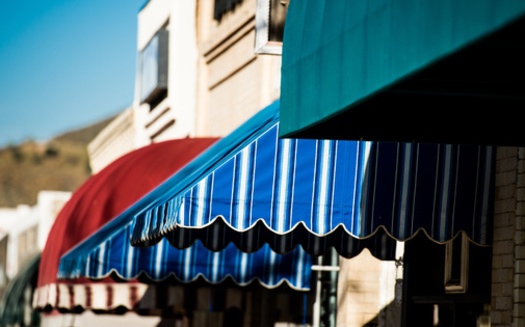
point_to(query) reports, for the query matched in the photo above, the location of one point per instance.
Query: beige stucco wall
(215, 80)
(115, 140)
(366, 292)
(174, 117)
(233, 83)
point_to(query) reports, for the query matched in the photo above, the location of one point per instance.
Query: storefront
(253, 189)
(446, 72)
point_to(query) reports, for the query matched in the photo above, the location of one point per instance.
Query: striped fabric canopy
(321, 193)
(115, 257)
(105, 296)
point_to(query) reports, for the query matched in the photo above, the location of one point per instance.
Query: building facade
(233, 82)
(198, 74)
(165, 92)
(27, 228)
(214, 80)
(115, 140)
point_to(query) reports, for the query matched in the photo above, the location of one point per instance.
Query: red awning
(100, 199)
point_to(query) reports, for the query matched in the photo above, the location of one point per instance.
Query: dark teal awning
(404, 70)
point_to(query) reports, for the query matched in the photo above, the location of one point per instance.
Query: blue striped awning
(321, 193)
(115, 257)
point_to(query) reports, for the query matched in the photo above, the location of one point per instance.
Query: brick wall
(508, 261)
(519, 239)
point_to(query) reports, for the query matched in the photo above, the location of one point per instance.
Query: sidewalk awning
(108, 254)
(116, 258)
(253, 188)
(15, 305)
(444, 71)
(100, 199)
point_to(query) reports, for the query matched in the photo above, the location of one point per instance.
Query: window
(269, 26)
(456, 265)
(223, 6)
(154, 69)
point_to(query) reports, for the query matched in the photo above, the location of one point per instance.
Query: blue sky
(64, 64)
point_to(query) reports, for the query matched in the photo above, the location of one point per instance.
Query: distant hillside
(61, 164)
(85, 134)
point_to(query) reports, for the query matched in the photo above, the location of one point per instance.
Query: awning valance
(105, 296)
(321, 193)
(117, 258)
(443, 71)
(100, 199)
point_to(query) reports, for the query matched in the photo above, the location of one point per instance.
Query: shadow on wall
(439, 315)
(389, 316)
(226, 304)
